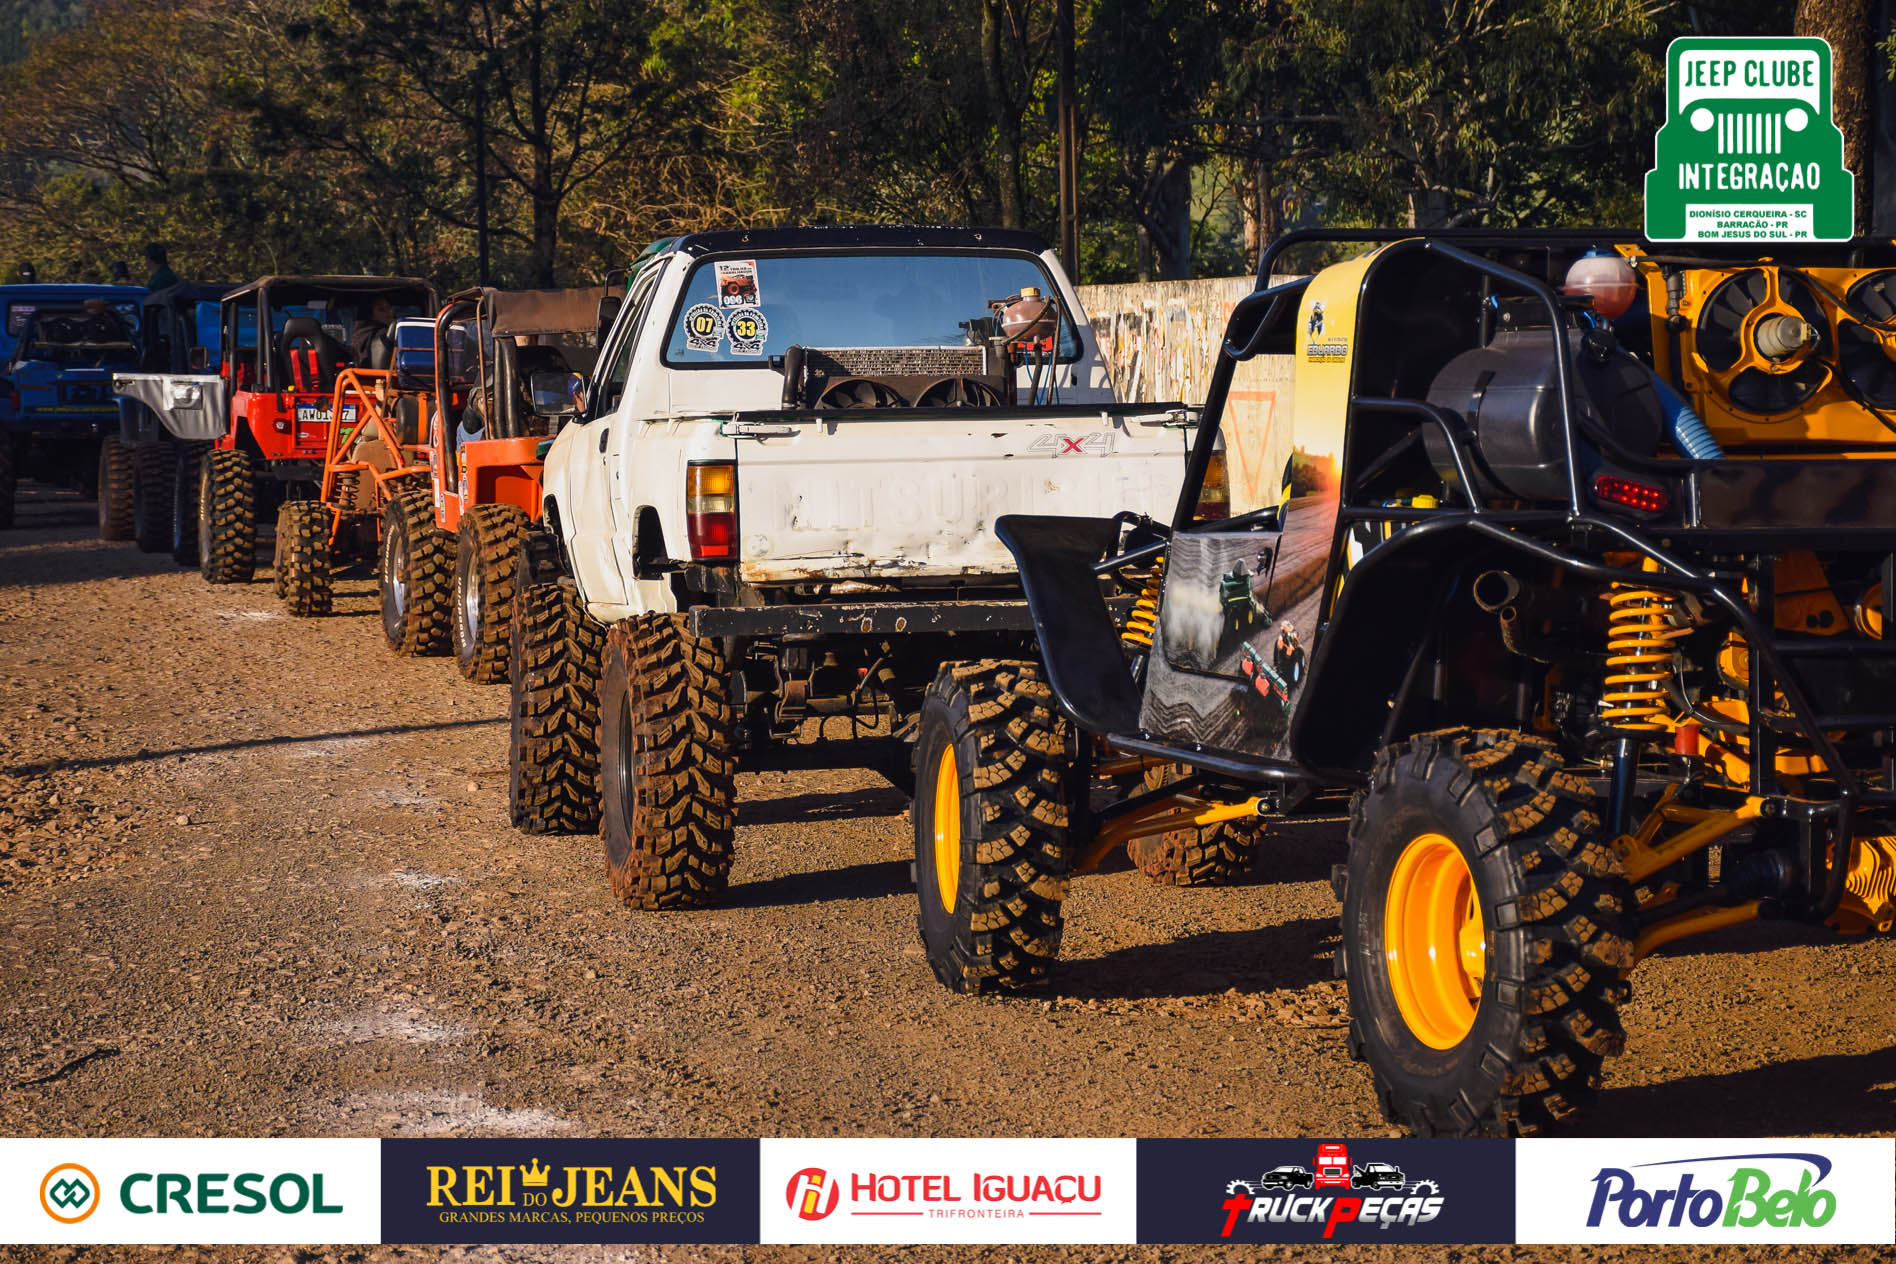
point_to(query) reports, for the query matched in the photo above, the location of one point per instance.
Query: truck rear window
(738, 311)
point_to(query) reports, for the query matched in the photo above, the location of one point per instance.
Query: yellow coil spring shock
(1639, 640)
(1143, 622)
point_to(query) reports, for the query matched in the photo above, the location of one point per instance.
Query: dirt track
(259, 880)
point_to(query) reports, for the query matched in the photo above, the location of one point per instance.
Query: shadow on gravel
(109, 761)
(807, 809)
(871, 881)
(1839, 1094)
(1289, 955)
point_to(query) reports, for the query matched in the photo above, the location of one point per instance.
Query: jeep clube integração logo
(1748, 151)
(1741, 1194)
(536, 1193)
(1331, 1192)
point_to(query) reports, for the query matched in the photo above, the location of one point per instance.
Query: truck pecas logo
(1369, 1192)
(1748, 1200)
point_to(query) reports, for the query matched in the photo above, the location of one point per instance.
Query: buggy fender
(1390, 604)
(1079, 646)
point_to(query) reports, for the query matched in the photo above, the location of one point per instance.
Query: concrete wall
(1160, 339)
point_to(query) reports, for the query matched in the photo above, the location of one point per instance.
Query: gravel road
(258, 880)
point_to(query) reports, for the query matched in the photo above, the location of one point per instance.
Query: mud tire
(226, 504)
(1219, 855)
(115, 489)
(305, 562)
(486, 566)
(553, 730)
(1000, 928)
(667, 764)
(1556, 909)
(154, 491)
(415, 575)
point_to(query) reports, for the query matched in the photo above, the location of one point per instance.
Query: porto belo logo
(1332, 1192)
(69, 1193)
(1749, 1197)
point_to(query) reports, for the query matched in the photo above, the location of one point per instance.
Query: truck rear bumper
(879, 618)
(872, 618)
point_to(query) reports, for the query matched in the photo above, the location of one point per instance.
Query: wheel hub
(1435, 943)
(946, 815)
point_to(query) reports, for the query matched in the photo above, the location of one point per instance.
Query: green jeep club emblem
(1748, 151)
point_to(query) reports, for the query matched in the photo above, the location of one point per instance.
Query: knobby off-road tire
(9, 480)
(667, 764)
(415, 570)
(154, 491)
(115, 489)
(184, 503)
(304, 560)
(553, 732)
(226, 517)
(486, 562)
(1554, 941)
(993, 785)
(1201, 856)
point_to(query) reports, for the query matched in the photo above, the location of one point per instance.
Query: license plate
(318, 414)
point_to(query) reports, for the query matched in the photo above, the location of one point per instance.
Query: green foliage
(288, 135)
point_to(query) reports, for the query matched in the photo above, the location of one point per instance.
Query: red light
(711, 510)
(1624, 491)
(713, 535)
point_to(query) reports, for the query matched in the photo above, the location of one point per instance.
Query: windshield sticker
(737, 282)
(704, 327)
(748, 330)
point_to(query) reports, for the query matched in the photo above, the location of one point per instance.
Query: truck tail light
(711, 510)
(1645, 497)
(1214, 498)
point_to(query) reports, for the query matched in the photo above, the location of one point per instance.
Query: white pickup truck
(778, 494)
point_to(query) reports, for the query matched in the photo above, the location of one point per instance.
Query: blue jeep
(59, 420)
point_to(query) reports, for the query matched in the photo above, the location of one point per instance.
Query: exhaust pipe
(1494, 589)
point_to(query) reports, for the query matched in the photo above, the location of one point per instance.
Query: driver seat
(310, 355)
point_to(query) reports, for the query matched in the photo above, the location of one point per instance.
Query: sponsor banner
(456, 1190)
(1709, 1190)
(164, 1190)
(901, 1190)
(1326, 1191)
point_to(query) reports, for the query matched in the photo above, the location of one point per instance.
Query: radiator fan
(1862, 354)
(1750, 381)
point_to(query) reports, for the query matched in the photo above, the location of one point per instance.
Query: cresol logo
(1736, 1191)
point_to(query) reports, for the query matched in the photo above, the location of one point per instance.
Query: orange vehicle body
(344, 469)
(504, 466)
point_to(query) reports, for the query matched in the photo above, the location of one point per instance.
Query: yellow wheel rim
(946, 815)
(1434, 941)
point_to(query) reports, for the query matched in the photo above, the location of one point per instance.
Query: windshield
(92, 335)
(740, 311)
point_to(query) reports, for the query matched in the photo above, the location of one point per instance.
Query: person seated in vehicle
(373, 339)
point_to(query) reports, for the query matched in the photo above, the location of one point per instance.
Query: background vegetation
(368, 135)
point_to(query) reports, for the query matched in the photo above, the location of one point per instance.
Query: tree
(553, 92)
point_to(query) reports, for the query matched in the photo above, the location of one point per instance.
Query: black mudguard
(1079, 644)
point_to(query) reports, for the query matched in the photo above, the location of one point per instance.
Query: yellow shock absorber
(1143, 622)
(1638, 656)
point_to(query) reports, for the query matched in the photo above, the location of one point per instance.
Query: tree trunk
(1170, 217)
(1006, 123)
(1847, 24)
